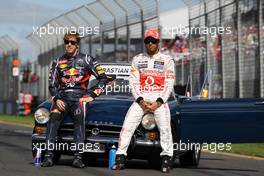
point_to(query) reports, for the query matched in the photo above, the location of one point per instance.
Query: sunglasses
(151, 40)
(67, 42)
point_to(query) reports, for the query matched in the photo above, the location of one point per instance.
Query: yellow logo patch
(63, 65)
(98, 68)
(97, 91)
(101, 72)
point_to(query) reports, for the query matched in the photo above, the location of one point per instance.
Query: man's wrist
(55, 98)
(139, 100)
(159, 101)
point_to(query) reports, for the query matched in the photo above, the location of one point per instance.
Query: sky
(17, 18)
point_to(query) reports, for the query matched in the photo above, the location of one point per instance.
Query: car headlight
(42, 115)
(148, 121)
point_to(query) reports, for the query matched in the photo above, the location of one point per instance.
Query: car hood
(103, 111)
(108, 111)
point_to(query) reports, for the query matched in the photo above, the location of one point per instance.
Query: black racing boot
(47, 161)
(165, 165)
(77, 161)
(119, 162)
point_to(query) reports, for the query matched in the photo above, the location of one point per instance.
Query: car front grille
(92, 129)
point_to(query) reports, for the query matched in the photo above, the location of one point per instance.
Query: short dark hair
(72, 34)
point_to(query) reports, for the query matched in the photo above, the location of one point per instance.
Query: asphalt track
(16, 159)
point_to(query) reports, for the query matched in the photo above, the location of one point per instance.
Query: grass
(254, 149)
(26, 120)
(249, 149)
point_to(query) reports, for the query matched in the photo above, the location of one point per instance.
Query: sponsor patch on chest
(142, 65)
(159, 65)
(63, 66)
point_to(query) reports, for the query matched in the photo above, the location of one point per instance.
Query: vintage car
(192, 121)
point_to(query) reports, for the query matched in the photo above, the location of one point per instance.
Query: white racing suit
(151, 78)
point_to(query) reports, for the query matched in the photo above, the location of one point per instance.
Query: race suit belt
(73, 90)
(72, 94)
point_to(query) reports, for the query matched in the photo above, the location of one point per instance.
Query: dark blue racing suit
(68, 81)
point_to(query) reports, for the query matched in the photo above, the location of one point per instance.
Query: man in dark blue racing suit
(68, 81)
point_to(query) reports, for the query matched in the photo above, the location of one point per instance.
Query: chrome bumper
(147, 143)
(99, 139)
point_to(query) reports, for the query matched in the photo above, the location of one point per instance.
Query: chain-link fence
(234, 57)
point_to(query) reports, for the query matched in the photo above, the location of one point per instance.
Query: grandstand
(235, 59)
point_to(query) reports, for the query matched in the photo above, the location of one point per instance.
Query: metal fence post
(261, 48)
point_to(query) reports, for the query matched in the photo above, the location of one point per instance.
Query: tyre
(56, 157)
(154, 160)
(191, 158)
(174, 138)
(89, 160)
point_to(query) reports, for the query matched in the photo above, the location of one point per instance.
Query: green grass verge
(26, 120)
(248, 149)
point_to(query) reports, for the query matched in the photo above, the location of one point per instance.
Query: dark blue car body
(199, 121)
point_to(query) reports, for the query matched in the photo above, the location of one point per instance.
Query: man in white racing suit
(151, 82)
